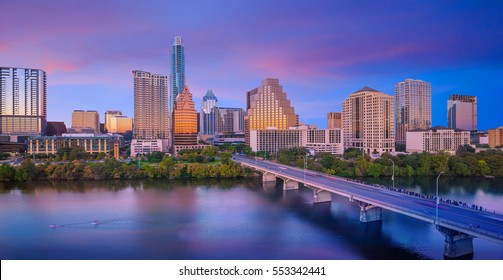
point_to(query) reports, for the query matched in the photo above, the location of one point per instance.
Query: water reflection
(211, 219)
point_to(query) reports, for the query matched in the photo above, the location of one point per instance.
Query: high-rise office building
(86, 121)
(368, 121)
(177, 77)
(208, 114)
(334, 120)
(23, 103)
(108, 116)
(462, 112)
(268, 107)
(120, 124)
(184, 120)
(413, 107)
(230, 120)
(150, 110)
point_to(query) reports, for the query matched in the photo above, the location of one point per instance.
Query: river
(219, 219)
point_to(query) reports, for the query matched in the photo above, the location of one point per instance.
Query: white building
(436, 139)
(368, 121)
(319, 140)
(147, 146)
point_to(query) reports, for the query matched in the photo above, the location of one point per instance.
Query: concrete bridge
(459, 225)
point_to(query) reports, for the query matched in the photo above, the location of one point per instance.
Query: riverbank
(168, 168)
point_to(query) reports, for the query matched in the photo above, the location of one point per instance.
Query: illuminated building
(23, 103)
(368, 121)
(184, 119)
(108, 116)
(413, 107)
(120, 124)
(268, 108)
(86, 121)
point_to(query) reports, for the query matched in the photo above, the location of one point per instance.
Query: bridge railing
(401, 190)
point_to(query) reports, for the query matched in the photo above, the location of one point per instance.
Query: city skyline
(89, 53)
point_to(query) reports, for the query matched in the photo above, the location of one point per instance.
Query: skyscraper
(150, 106)
(230, 120)
(23, 105)
(208, 114)
(177, 77)
(108, 116)
(268, 107)
(184, 119)
(368, 121)
(86, 121)
(413, 107)
(334, 120)
(462, 112)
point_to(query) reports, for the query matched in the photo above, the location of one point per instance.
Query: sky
(321, 51)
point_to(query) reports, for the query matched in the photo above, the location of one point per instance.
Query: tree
(225, 157)
(374, 169)
(483, 168)
(7, 172)
(460, 168)
(361, 166)
(465, 149)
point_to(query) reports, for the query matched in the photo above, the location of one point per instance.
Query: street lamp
(438, 200)
(393, 176)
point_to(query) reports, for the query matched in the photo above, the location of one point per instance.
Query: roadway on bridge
(478, 223)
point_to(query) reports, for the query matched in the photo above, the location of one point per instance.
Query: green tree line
(158, 166)
(464, 163)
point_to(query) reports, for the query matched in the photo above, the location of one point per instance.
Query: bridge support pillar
(320, 195)
(369, 212)
(268, 177)
(290, 185)
(457, 244)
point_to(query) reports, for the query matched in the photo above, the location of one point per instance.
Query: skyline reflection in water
(212, 219)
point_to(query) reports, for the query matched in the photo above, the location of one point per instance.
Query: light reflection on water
(228, 219)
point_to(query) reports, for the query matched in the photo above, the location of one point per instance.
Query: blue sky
(320, 50)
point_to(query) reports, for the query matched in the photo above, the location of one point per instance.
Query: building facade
(495, 137)
(108, 116)
(230, 120)
(413, 107)
(88, 121)
(56, 128)
(150, 106)
(267, 107)
(184, 119)
(208, 115)
(177, 76)
(23, 101)
(334, 120)
(92, 143)
(120, 124)
(368, 121)
(436, 139)
(319, 140)
(462, 112)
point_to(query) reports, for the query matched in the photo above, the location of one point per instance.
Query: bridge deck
(477, 223)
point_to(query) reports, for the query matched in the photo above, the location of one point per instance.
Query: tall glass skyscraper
(23, 104)
(413, 107)
(208, 114)
(177, 77)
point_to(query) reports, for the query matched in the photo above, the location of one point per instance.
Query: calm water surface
(228, 219)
